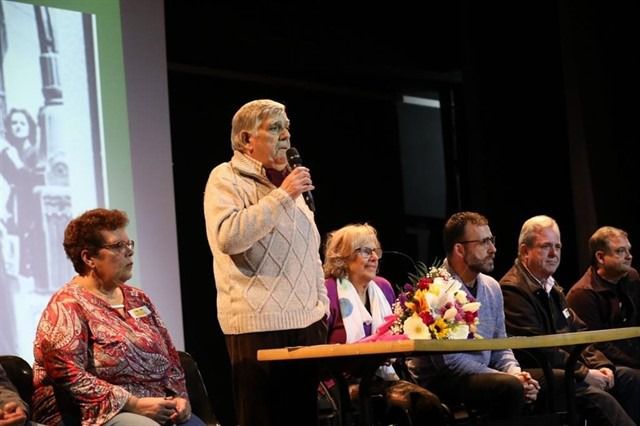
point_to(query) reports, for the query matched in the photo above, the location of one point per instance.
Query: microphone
(293, 157)
(397, 272)
(404, 256)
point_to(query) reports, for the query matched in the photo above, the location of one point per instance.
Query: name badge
(140, 312)
(566, 313)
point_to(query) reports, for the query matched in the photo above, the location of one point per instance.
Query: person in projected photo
(267, 268)
(102, 354)
(22, 167)
(21, 133)
(8, 285)
(359, 302)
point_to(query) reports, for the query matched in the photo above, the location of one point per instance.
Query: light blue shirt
(491, 326)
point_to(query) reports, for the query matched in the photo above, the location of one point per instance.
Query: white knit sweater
(265, 250)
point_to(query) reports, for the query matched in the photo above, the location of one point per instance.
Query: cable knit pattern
(265, 251)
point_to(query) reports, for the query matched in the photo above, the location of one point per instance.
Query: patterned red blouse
(96, 358)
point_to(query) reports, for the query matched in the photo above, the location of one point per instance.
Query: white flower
(461, 297)
(471, 307)
(415, 328)
(454, 286)
(438, 282)
(450, 314)
(434, 299)
(460, 331)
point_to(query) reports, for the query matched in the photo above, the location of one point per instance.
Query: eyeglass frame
(362, 251)
(485, 241)
(620, 251)
(120, 245)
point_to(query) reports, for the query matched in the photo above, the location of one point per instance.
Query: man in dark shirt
(608, 295)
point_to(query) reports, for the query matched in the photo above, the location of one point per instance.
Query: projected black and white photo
(51, 155)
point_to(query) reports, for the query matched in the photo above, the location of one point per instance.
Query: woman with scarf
(359, 301)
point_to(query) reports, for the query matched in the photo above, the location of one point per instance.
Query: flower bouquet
(434, 306)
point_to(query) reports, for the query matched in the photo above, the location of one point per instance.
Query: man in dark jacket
(536, 305)
(608, 294)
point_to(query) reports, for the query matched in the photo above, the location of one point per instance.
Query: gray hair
(533, 226)
(250, 116)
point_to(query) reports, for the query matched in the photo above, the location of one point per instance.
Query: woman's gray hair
(342, 244)
(249, 117)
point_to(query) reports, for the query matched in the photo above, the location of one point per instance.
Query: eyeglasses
(120, 245)
(485, 241)
(621, 251)
(366, 252)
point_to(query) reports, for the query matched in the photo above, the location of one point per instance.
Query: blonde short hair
(342, 244)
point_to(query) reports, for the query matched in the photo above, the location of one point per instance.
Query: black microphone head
(293, 158)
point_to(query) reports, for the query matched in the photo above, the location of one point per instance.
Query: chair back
(198, 396)
(20, 374)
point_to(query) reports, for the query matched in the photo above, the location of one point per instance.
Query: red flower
(427, 318)
(423, 284)
(470, 317)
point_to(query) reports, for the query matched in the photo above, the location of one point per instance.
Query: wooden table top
(464, 345)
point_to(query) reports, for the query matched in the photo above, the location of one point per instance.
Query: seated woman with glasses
(359, 301)
(102, 354)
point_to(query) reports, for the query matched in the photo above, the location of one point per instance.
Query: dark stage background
(538, 116)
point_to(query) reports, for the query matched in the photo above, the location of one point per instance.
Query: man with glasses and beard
(477, 379)
(535, 305)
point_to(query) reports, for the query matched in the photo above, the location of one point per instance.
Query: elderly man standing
(535, 305)
(267, 267)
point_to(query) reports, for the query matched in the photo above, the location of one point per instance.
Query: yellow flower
(415, 328)
(440, 328)
(436, 286)
(419, 303)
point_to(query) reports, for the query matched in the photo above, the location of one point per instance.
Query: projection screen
(85, 123)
